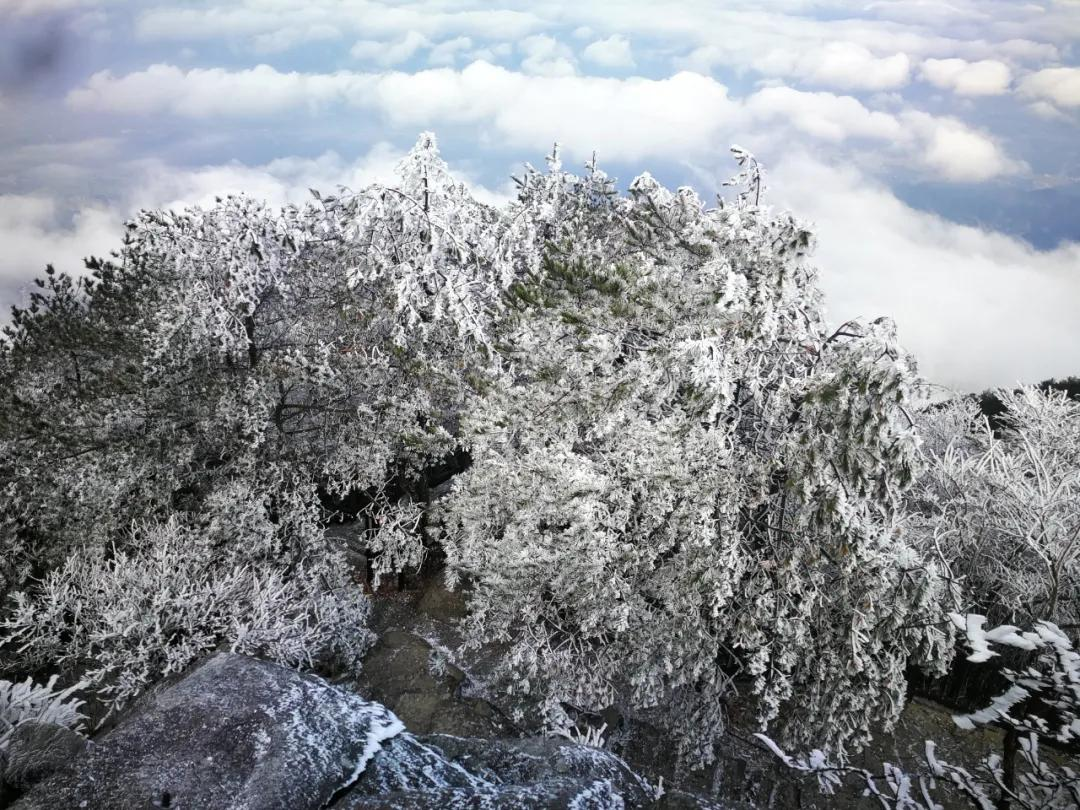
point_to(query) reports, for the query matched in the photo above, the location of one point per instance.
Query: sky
(934, 144)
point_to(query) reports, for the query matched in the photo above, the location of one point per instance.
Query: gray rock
(443, 772)
(442, 604)
(243, 734)
(36, 750)
(398, 672)
(680, 800)
(234, 733)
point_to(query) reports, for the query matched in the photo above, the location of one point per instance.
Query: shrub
(684, 483)
(171, 594)
(42, 703)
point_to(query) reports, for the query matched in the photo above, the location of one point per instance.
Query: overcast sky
(935, 143)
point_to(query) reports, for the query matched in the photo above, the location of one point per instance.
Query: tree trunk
(252, 349)
(1008, 764)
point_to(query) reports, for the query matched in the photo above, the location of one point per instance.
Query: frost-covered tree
(1041, 704)
(684, 482)
(1002, 510)
(231, 374)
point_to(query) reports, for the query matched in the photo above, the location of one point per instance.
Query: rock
(36, 750)
(683, 800)
(443, 772)
(442, 604)
(420, 709)
(235, 732)
(244, 734)
(398, 672)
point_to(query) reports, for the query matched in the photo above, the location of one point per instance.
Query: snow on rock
(245, 734)
(443, 772)
(236, 732)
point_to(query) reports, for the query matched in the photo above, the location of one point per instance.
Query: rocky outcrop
(242, 733)
(406, 673)
(440, 772)
(236, 733)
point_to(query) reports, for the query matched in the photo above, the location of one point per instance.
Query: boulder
(442, 604)
(243, 734)
(37, 750)
(444, 772)
(404, 672)
(236, 732)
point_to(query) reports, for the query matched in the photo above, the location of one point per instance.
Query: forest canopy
(621, 421)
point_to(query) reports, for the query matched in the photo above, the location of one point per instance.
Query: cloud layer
(889, 122)
(627, 118)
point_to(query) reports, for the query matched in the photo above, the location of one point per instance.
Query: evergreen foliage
(674, 485)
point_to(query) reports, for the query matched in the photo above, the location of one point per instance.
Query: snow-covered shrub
(184, 419)
(684, 483)
(592, 736)
(1003, 511)
(310, 350)
(172, 594)
(1042, 703)
(42, 703)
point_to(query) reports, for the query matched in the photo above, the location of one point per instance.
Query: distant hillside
(1044, 217)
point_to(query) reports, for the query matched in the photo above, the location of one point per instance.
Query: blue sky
(935, 143)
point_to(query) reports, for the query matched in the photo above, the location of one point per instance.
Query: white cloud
(390, 53)
(283, 39)
(627, 119)
(741, 31)
(822, 115)
(1046, 110)
(848, 65)
(929, 12)
(983, 78)
(841, 65)
(294, 21)
(52, 153)
(678, 117)
(1026, 50)
(35, 232)
(492, 53)
(612, 52)
(945, 146)
(955, 151)
(1060, 86)
(448, 51)
(20, 8)
(546, 56)
(202, 92)
(978, 308)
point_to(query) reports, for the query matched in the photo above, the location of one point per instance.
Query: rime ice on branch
(684, 482)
